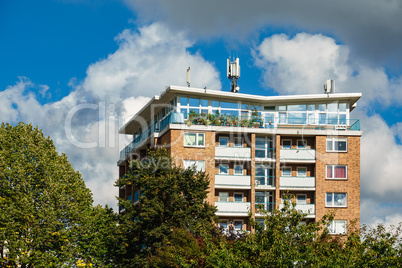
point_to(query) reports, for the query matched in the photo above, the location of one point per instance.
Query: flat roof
(158, 101)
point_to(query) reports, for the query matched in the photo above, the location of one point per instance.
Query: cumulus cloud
(303, 63)
(84, 124)
(147, 61)
(370, 27)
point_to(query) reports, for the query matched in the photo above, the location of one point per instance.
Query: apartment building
(257, 150)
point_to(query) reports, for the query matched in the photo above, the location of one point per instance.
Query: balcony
(273, 123)
(299, 183)
(232, 153)
(308, 209)
(232, 181)
(297, 155)
(232, 208)
(172, 118)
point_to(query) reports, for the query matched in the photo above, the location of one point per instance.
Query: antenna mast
(233, 72)
(188, 76)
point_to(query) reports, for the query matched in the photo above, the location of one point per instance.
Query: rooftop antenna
(233, 71)
(329, 87)
(188, 76)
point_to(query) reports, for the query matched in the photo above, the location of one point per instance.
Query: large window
(223, 224)
(238, 197)
(337, 144)
(301, 199)
(223, 141)
(336, 200)
(263, 147)
(199, 165)
(223, 169)
(286, 144)
(264, 200)
(223, 196)
(286, 171)
(336, 172)
(194, 139)
(238, 225)
(337, 227)
(238, 170)
(264, 175)
(301, 144)
(238, 142)
(301, 172)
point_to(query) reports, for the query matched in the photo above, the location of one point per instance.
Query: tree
(46, 210)
(171, 197)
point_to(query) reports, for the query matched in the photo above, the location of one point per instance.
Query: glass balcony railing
(243, 121)
(172, 118)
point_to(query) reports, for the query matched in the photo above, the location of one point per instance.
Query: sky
(78, 69)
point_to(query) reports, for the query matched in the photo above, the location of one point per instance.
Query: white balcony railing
(232, 181)
(297, 182)
(233, 152)
(233, 208)
(297, 154)
(309, 209)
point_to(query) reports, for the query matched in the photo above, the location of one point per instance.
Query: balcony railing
(297, 154)
(308, 209)
(263, 122)
(235, 208)
(297, 182)
(235, 181)
(233, 152)
(172, 118)
(264, 181)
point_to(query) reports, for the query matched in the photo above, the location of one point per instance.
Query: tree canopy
(47, 218)
(171, 197)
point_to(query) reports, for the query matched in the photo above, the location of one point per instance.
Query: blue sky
(57, 55)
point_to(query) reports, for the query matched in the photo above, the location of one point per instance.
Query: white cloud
(145, 63)
(370, 27)
(381, 156)
(303, 63)
(115, 88)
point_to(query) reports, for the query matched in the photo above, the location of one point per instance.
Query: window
(223, 224)
(199, 165)
(238, 142)
(238, 225)
(286, 171)
(194, 139)
(223, 197)
(223, 169)
(301, 144)
(336, 172)
(238, 170)
(336, 200)
(337, 227)
(286, 144)
(337, 144)
(238, 197)
(263, 147)
(301, 199)
(282, 118)
(223, 141)
(301, 172)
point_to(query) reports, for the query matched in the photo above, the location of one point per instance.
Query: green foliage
(46, 219)
(171, 197)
